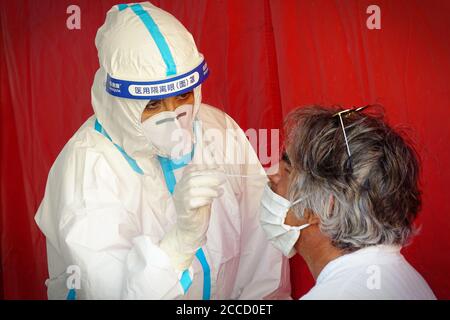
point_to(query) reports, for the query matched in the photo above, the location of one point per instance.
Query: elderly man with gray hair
(352, 182)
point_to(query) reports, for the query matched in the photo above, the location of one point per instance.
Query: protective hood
(144, 54)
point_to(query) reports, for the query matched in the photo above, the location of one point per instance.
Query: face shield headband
(156, 90)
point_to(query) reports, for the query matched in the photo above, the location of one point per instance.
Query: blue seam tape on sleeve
(185, 280)
(71, 295)
(155, 90)
(206, 274)
(133, 164)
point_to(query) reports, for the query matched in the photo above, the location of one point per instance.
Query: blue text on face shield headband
(155, 90)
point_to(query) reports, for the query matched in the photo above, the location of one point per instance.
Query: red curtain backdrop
(266, 57)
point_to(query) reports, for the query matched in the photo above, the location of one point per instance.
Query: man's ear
(331, 202)
(311, 217)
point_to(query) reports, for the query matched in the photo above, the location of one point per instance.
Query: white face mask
(171, 132)
(273, 212)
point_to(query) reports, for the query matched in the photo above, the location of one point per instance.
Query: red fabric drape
(266, 57)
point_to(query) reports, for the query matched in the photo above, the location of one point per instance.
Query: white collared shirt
(376, 272)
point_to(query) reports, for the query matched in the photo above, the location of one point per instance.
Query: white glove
(192, 197)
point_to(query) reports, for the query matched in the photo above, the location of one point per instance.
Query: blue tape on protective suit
(169, 177)
(155, 90)
(168, 166)
(71, 295)
(157, 36)
(122, 6)
(185, 280)
(206, 274)
(133, 164)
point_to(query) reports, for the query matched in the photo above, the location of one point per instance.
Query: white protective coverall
(108, 199)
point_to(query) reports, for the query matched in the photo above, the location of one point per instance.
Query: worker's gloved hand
(192, 197)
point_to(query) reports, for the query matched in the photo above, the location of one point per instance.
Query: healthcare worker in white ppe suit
(130, 214)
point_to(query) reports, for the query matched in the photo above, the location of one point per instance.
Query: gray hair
(375, 191)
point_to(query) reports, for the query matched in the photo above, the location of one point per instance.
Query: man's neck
(317, 253)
